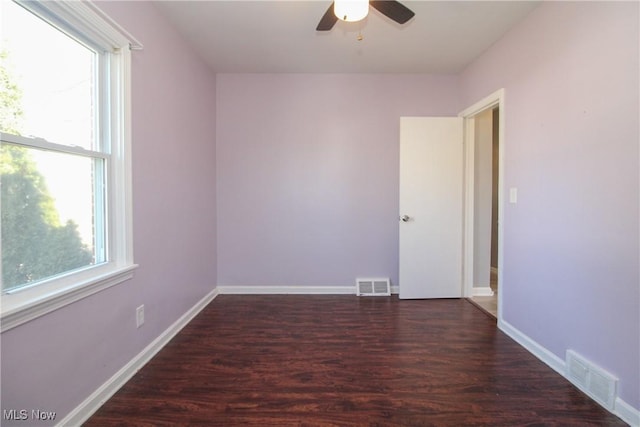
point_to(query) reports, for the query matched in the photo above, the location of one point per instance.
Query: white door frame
(468, 114)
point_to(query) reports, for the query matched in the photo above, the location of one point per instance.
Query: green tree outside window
(35, 245)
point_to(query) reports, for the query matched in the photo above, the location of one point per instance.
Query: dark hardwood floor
(346, 361)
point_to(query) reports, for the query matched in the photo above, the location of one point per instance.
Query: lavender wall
(55, 362)
(307, 174)
(571, 280)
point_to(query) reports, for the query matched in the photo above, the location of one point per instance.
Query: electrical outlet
(140, 316)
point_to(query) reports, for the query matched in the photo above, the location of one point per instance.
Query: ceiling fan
(355, 10)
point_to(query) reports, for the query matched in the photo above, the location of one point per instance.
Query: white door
(431, 210)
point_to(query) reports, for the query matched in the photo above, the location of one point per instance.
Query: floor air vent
(373, 287)
(591, 379)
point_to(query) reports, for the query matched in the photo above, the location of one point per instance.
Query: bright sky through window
(56, 77)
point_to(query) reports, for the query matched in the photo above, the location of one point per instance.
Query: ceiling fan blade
(393, 9)
(328, 20)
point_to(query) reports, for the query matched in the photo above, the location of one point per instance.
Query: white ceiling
(236, 36)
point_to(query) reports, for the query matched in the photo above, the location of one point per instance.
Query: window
(65, 171)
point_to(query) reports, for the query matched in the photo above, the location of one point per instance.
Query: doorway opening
(484, 153)
(485, 204)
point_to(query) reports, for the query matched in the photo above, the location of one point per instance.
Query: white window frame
(85, 20)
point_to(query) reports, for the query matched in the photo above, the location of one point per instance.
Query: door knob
(405, 218)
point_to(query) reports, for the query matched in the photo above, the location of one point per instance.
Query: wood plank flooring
(282, 360)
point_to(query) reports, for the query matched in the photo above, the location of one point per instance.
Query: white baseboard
(533, 347)
(292, 290)
(481, 291)
(626, 412)
(282, 290)
(92, 403)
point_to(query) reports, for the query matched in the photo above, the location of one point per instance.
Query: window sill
(16, 314)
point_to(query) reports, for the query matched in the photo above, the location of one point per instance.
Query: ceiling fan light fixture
(351, 10)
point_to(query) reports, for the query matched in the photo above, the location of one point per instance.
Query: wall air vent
(591, 379)
(373, 287)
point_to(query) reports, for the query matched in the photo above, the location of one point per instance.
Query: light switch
(513, 195)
